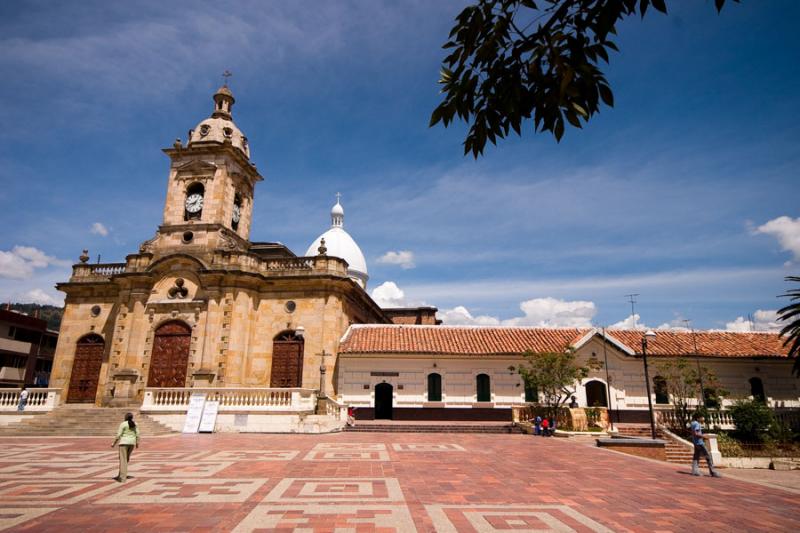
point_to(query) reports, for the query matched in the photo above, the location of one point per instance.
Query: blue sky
(685, 192)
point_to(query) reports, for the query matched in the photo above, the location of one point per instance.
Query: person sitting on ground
(545, 427)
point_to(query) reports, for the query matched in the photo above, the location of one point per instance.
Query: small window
(484, 388)
(757, 390)
(531, 394)
(660, 386)
(434, 387)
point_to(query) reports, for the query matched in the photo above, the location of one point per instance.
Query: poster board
(209, 418)
(196, 402)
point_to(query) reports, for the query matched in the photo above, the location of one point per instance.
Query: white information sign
(209, 419)
(195, 412)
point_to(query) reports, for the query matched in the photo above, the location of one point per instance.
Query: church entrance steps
(407, 426)
(677, 452)
(80, 420)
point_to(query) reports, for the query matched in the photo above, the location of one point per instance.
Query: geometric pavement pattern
(362, 482)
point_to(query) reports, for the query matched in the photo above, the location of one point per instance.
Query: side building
(413, 372)
(26, 350)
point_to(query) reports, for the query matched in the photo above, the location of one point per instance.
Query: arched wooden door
(170, 358)
(86, 369)
(287, 361)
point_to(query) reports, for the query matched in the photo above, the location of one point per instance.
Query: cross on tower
(338, 197)
(225, 75)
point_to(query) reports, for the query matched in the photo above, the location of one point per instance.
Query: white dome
(340, 244)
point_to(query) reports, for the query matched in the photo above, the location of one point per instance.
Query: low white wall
(258, 423)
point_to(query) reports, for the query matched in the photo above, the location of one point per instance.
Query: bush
(754, 421)
(728, 446)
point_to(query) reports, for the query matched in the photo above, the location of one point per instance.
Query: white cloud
(404, 258)
(631, 322)
(763, 320)
(554, 313)
(38, 296)
(388, 294)
(786, 230)
(98, 228)
(460, 316)
(20, 262)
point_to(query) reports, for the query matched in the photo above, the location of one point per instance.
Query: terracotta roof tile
(456, 340)
(464, 340)
(709, 343)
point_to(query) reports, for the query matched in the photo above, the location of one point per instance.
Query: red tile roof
(467, 340)
(709, 343)
(456, 339)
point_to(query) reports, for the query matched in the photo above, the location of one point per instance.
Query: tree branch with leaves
(510, 61)
(555, 375)
(791, 331)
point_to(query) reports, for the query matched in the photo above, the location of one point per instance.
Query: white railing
(38, 399)
(336, 409)
(233, 399)
(715, 419)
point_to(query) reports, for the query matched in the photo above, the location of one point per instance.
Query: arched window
(237, 211)
(596, 394)
(711, 398)
(434, 387)
(484, 388)
(193, 206)
(660, 386)
(531, 393)
(757, 390)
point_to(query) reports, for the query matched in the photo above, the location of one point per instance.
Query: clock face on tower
(194, 203)
(237, 213)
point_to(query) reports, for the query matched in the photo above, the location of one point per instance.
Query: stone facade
(201, 273)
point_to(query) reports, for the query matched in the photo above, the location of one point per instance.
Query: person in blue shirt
(699, 441)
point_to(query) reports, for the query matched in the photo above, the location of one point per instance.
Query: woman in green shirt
(127, 437)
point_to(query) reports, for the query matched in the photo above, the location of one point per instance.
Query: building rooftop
(474, 340)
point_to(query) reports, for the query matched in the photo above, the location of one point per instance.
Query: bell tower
(209, 202)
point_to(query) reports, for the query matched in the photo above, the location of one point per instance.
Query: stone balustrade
(247, 262)
(38, 399)
(95, 272)
(335, 409)
(244, 400)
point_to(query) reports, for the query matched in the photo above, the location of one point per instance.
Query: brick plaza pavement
(359, 482)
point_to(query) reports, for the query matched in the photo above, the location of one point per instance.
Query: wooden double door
(287, 361)
(169, 361)
(86, 369)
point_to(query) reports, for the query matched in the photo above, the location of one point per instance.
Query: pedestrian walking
(23, 399)
(351, 416)
(127, 438)
(537, 425)
(699, 441)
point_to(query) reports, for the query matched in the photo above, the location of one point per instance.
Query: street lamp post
(651, 336)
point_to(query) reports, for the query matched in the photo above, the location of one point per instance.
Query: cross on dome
(337, 213)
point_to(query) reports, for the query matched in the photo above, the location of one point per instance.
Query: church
(279, 339)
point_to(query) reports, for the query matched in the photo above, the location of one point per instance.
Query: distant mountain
(50, 313)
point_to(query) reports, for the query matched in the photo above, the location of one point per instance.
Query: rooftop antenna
(225, 75)
(632, 300)
(751, 322)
